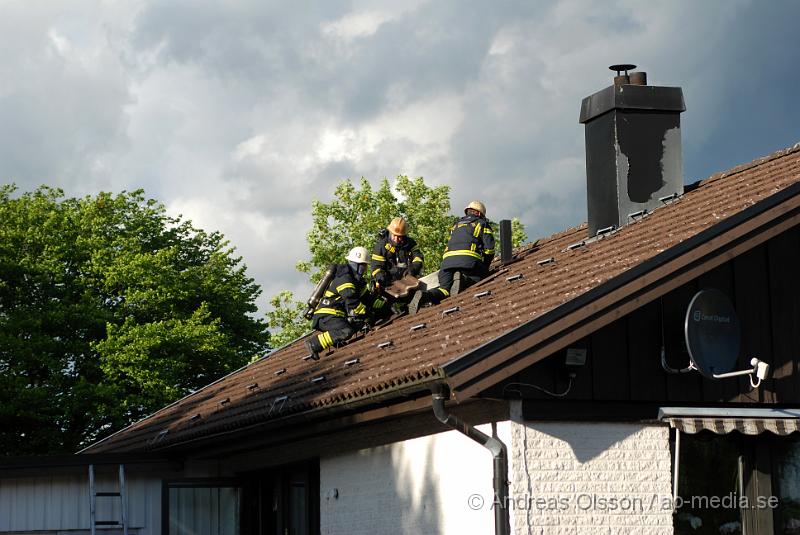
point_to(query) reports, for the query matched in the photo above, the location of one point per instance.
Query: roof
(551, 276)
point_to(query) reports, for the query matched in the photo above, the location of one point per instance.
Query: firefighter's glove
(356, 316)
(356, 323)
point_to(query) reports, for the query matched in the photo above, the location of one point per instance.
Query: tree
(356, 215)
(110, 309)
(287, 316)
(353, 218)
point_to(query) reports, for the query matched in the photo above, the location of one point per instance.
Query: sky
(237, 114)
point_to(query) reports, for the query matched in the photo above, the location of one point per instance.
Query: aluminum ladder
(122, 495)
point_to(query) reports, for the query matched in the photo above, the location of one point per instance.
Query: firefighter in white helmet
(466, 259)
(344, 305)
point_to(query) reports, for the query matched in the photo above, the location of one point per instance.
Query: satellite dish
(712, 333)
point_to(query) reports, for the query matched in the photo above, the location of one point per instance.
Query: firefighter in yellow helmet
(344, 306)
(466, 259)
(395, 254)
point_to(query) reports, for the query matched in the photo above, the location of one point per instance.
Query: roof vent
(633, 147)
(606, 230)
(277, 404)
(449, 311)
(667, 199)
(633, 216)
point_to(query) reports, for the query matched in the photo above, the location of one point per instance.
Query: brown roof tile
(283, 383)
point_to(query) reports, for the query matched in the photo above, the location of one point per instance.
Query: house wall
(61, 502)
(423, 485)
(590, 478)
(565, 478)
(623, 358)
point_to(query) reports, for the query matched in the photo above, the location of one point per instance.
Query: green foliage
(353, 218)
(286, 315)
(518, 235)
(110, 309)
(356, 215)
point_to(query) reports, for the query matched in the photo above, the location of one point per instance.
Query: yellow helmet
(398, 226)
(476, 205)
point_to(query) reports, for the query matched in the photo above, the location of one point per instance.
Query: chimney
(506, 249)
(633, 148)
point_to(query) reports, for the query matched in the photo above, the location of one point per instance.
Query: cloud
(239, 114)
(63, 97)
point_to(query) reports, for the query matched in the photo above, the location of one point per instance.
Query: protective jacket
(345, 297)
(390, 260)
(471, 244)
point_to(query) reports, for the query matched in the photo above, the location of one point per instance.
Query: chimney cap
(632, 97)
(622, 67)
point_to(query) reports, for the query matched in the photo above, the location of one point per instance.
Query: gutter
(304, 416)
(502, 525)
(187, 396)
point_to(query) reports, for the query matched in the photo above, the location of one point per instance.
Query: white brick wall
(420, 486)
(565, 478)
(590, 478)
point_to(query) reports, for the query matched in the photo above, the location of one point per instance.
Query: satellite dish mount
(712, 333)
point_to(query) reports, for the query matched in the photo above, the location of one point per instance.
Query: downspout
(502, 524)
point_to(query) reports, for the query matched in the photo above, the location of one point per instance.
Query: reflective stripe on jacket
(344, 295)
(393, 259)
(471, 244)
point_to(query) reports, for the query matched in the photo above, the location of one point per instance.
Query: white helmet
(359, 255)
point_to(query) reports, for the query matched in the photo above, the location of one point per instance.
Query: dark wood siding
(624, 357)
(784, 264)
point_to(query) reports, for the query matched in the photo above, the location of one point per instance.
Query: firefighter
(466, 259)
(395, 254)
(343, 308)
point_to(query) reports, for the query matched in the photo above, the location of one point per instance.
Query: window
(786, 482)
(278, 501)
(283, 501)
(709, 467)
(737, 484)
(202, 507)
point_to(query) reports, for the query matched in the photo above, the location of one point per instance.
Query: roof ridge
(746, 166)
